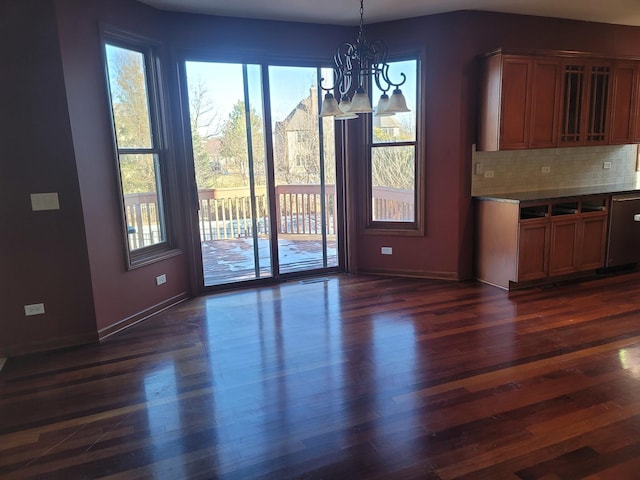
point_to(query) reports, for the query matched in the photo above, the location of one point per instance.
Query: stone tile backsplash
(522, 170)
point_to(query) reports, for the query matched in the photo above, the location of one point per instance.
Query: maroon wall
(119, 294)
(44, 253)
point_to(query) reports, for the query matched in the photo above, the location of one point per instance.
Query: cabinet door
(623, 103)
(573, 87)
(597, 107)
(545, 99)
(533, 250)
(515, 103)
(594, 238)
(585, 103)
(563, 250)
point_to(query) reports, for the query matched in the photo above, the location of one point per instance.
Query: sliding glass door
(304, 161)
(265, 171)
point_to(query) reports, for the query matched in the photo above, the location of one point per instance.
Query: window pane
(304, 163)
(230, 170)
(392, 181)
(142, 198)
(129, 97)
(400, 127)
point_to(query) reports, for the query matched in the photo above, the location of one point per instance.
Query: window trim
(377, 227)
(152, 52)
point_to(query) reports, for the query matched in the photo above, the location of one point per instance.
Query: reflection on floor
(232, 260)
(354, 377)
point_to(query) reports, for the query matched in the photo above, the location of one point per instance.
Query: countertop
(560, 193)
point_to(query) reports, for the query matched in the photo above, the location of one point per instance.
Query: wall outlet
(161, 279)
(478, 169)
(386, 250)
(488, 174)
(546, 169)
(34, 309)
(606, 165)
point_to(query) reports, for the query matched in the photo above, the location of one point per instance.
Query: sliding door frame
(190, 201)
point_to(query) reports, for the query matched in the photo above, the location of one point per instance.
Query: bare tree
(206, 123)
(131, 113)
(392, 166)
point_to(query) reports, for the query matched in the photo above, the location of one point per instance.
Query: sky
(288, 85)
(224, 82)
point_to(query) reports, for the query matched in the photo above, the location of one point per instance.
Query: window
(392, 176)
(132, 77)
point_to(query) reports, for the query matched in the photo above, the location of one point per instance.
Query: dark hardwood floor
(352, 377)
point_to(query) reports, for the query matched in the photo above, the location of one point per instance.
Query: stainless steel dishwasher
(623, 247)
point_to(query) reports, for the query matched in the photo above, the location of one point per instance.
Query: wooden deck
(232, 260)
(347, 378)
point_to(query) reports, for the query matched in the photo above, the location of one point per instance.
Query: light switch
(44, 201)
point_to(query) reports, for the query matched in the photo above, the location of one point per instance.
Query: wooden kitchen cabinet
(519, 102)
(532, 242)
(585, 103)
(545, 98)
(563, 248)
(516, 102)
(594, 242)
(625, 100)
(533, 99)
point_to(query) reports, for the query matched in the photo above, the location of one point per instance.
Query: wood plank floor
(352, 377)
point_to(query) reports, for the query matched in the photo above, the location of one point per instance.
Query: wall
(521, 170)
(43, 254)
(119, 295)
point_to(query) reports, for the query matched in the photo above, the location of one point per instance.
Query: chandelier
(360, 65)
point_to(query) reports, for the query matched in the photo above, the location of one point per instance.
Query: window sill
(149, 258)
(394, 229)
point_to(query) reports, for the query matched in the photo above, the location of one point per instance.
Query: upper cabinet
(585, 103)
(625, 100)
(520, 102)
(563, 99)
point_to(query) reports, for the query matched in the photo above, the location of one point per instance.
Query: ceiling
(335, 12)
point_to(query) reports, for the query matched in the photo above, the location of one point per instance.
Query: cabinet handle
(626, 199)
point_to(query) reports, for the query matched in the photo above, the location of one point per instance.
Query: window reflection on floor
(630, 360)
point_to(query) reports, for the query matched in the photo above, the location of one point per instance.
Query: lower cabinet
(594, 242)
(531, 242)
(564, 245)
(533, 250)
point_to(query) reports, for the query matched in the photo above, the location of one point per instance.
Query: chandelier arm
(359, 65)
(343, 60)
(393, 84)
(326, 89)
(381, 78)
